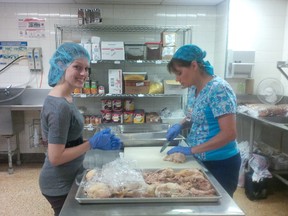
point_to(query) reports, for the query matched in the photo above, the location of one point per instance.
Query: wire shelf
(124, 28)
(125, 95)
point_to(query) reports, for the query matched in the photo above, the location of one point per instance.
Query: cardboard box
(174, 87)
(134, 75)
(112, 50)
(168, 38)
(137, 87)
(168, 52)
(115, 81)
(96, 53)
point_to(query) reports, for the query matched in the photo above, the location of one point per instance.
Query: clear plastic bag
(260, 165)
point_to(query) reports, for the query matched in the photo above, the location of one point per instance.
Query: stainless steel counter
(226, 207)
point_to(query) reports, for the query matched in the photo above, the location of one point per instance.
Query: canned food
(129, 105)
(106, 116)
(106, 104)
(117, 105)
(117, 117)
(128, 116)
(139, 116)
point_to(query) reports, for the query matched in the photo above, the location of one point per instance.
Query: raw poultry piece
(171, 190)
(98, 190)
(90, 174)
(191, 180)
(175, 157)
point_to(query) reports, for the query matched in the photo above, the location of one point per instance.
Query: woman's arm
(228, 132)
(58, 154)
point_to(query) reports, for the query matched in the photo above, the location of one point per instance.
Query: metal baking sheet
(83, 199)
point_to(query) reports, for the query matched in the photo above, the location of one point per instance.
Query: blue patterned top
(215, 99)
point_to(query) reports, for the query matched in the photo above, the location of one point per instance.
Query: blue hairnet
(191, 53)
(62, 58)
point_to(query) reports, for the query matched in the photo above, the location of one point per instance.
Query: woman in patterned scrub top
(211, 108)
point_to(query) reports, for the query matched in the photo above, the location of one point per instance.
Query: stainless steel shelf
(124, 28)
(157, 62)
(125, 95)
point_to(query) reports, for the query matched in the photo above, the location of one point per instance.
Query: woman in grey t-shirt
(62, 125)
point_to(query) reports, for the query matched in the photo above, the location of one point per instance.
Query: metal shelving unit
(184, 33)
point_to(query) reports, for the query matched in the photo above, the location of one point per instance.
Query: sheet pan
(83, 199)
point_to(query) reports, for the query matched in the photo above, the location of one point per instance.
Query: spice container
(93, 88)
(77, 91)
(101, 90)
(86, 89)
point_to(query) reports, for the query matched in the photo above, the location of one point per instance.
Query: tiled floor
(20, 195)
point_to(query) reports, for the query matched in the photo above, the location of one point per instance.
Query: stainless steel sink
(276, 119)
(147, 139)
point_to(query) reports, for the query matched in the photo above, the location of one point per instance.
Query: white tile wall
(262, 29)
(204, 32)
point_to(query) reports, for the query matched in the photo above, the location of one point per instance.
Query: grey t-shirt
(61, 122)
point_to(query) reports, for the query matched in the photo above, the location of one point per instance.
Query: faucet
(6, 90)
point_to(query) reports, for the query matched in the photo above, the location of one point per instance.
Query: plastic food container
(153, 50)
(134, 51)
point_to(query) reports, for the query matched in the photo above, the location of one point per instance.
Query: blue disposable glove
(173, 132)
(115, 143)
(180, 149)
(105, 140)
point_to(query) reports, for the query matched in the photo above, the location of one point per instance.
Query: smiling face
(77, 73)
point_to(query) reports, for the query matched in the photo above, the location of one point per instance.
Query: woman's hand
(105, 140)
(173, 132)
(180, 149)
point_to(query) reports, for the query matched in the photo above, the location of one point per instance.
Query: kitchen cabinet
(129, 34)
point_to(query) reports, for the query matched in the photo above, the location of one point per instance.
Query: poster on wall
(11, 50)
(31, 28)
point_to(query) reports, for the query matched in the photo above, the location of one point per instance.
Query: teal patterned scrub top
(215, 99)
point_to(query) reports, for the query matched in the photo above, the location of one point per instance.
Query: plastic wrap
(113, 182)
(263, 110)
(260, 165)
(244, 153)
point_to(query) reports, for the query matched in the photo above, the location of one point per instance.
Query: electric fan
(270, 91)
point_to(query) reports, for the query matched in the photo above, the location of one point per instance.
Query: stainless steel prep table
(225, 207)
(253, 120)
